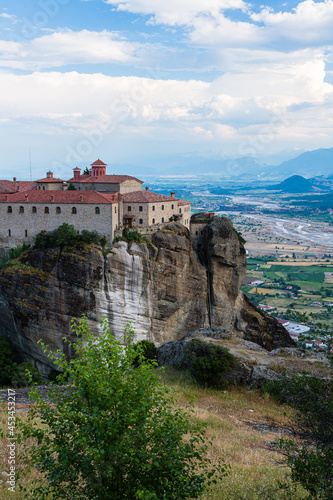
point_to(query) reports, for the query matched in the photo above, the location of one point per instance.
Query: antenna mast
(30, 164)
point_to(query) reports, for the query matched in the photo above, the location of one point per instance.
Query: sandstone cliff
(166, 288)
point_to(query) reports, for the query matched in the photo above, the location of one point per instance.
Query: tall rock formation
(166, 288)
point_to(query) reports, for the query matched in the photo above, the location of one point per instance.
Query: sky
(135, 79)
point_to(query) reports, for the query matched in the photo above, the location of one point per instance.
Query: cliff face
(166, 289)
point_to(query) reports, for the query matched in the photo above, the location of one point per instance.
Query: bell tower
(98, 168)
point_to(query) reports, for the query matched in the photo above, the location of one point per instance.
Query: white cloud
(67, 47)
(309, 22)
(5, 15)
(176, 12)
(78, 102)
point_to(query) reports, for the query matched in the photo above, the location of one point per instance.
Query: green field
(277, 277)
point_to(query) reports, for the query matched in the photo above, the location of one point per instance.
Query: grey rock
(166, 289)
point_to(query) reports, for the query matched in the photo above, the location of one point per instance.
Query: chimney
(147, 188)
(77, 173)
(81, 197)
(14, 179)
(211, 214)
(49, 174)
(26, 197)
(52, 197)
(172, 194)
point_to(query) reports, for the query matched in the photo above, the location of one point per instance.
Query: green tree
(65, 235)
(71, 187)
(115, 432)
(86, 171)
(310, 454)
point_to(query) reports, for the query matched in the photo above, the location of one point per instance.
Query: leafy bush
(12, 371)
(148, 350)
(115, 433)
(240, 237)
(207, 363)
(65, 235)
(25, 374)
(130, 235)
(14, 253)
(310, 454)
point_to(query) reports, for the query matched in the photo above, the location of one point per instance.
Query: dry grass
(230, 416)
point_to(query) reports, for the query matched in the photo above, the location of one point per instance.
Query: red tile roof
(98, 163)
(71, 197)
(146, 197)
(150, 197)
(50, 179)
(15, 186)
(109, 179)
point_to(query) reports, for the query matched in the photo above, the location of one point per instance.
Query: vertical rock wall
(166, 289)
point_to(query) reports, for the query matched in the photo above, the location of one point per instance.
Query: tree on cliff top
(115, 432)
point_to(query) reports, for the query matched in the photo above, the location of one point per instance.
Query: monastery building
(99, 202)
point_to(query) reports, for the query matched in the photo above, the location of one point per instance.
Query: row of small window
(153, 221)
(129, 208)
(47, 210)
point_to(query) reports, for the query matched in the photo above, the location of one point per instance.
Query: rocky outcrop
(165, 288)
(252, 364)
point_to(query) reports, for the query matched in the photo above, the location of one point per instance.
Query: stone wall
(17, 227)
(127, 186)
(152, 214)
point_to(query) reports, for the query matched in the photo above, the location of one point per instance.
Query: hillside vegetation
(244, 423)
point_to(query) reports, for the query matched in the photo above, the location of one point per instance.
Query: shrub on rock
(207, 363)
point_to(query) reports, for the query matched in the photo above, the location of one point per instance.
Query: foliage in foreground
(310, 454)
(207, 363)
(114, 433)
(130, 235)
(65, 235)
(13, 373)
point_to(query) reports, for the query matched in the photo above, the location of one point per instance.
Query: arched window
(172, 207)
(162, 219)
(26, 233)
(21, 210)
(58, 210)
(140, 221)
(129, 208)
(97, 211)
(115, 210)
(180, 210)
(44, 188)
(74, 210)
(140, 208)
(153, 208)
(39, 187)
(9, 233)
(34, 210)
(162, 207)
(153, 221)
(46, 210)
(9, 210)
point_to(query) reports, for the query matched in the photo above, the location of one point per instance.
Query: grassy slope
(229, 419)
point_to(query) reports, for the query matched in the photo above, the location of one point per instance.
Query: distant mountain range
(309, 164)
